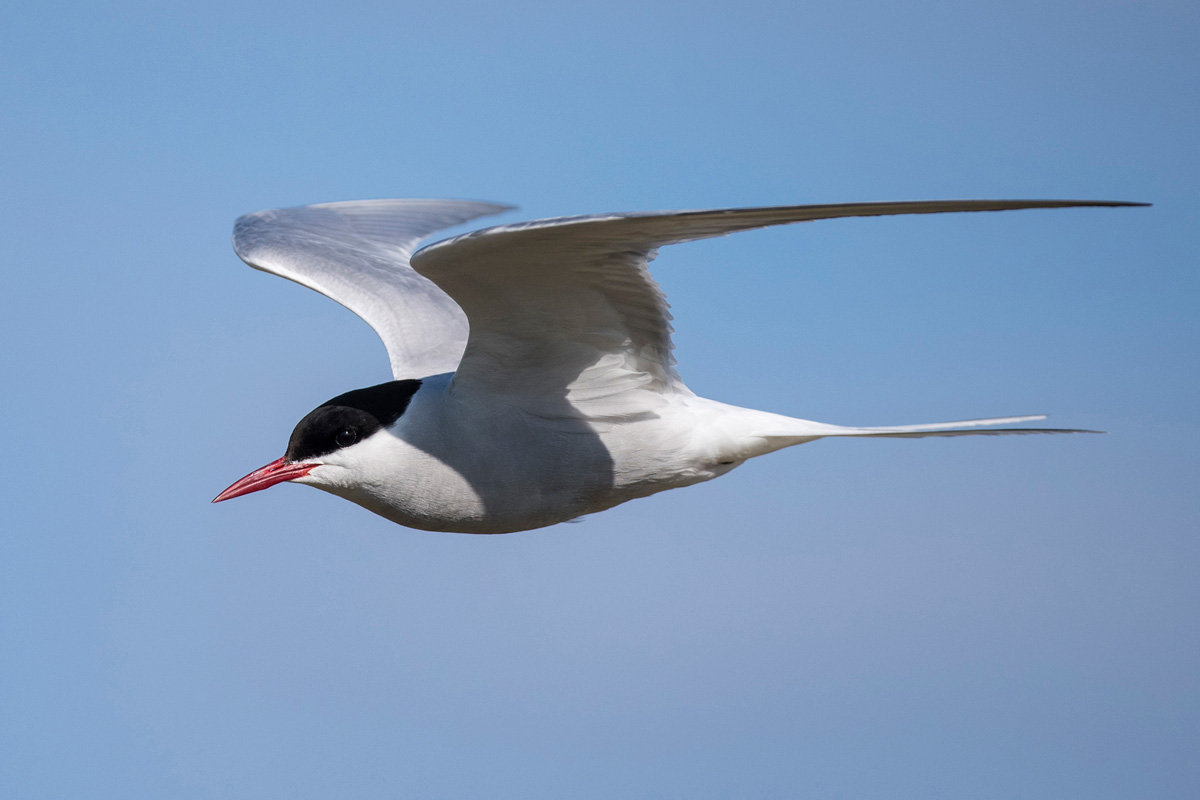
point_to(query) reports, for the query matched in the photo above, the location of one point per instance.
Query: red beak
(277, 471)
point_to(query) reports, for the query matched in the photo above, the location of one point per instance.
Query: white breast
(461, 464)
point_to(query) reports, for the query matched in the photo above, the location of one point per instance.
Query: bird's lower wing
(565, 311)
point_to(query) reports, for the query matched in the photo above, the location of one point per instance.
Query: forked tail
(955, 428)
(796, 431)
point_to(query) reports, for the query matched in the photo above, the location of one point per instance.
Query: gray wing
(357, 253)
(567, 308)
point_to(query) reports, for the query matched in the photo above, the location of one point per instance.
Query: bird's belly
(506, 484)
(530, 479)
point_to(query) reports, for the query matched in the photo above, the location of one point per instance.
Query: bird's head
(322, 448)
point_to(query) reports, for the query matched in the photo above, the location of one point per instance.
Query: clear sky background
(957, 618)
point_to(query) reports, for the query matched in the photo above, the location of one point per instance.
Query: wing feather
(357, 253)
(566, 309)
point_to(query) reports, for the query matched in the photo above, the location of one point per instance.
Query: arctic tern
(533, 376)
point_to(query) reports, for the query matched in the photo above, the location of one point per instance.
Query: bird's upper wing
(566, 309)
(357, 254)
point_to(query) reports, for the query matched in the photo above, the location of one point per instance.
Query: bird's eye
(345, 437)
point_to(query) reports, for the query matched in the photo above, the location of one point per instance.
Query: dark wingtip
(1101, 203)
(1090, 203)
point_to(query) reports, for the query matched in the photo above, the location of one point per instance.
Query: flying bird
(533, 376)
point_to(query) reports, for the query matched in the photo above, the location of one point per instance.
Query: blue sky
(959, 618)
